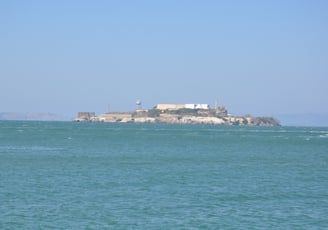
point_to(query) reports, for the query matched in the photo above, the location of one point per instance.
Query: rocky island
(179, 114)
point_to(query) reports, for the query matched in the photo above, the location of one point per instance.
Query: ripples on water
(147, 176)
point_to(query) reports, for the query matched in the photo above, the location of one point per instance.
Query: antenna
(216, 105)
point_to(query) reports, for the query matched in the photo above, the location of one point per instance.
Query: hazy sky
(254, 57)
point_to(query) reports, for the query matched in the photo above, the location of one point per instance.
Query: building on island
(197, 106)
(85, 116)
(181, 106)
(169, 106)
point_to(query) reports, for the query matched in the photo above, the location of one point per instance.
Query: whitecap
(324, 135)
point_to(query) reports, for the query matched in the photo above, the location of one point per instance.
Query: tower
(216, 105)
(138, 104)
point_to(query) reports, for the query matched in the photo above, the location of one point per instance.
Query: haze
(255, 57)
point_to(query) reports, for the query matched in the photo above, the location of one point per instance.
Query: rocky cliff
(185, 116)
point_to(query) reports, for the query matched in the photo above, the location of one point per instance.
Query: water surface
(66, 175)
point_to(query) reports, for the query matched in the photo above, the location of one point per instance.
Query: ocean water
(63, 175)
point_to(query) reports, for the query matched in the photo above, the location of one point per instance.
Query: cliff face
(185, 116)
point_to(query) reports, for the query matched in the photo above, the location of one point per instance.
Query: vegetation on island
(217, 116)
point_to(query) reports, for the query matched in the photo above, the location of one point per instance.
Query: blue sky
(254, 57)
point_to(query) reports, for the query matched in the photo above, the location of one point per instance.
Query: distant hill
(32, 116)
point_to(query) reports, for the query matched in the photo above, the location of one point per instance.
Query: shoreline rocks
(176, 118)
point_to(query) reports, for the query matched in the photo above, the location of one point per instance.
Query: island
(178, 114)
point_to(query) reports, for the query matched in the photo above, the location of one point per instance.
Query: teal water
(62, 175)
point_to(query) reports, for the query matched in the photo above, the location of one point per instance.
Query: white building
(197, 106)
(181, 106)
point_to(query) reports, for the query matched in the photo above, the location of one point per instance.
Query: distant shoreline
(29, 116)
